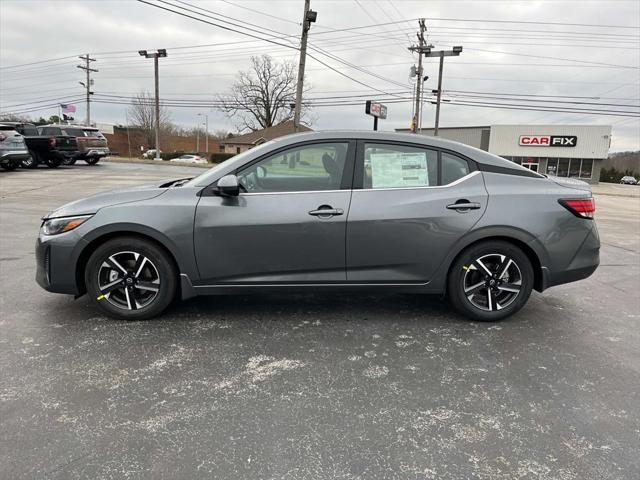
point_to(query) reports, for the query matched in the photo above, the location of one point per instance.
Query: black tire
(92, 160)
(511, 281)
(53, 162)
(69, 161)
(33, 161)
(144, 297)
(10, 166)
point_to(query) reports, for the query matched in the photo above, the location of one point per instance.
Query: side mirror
(228, 186)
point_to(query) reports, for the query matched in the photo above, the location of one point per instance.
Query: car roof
(14, 124)
(64, 125)
(476, 154)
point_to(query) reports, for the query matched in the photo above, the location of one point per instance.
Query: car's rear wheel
(53, 162)
(69, 161)
(32, 161)
(92, 160)
(490, 281)
(131, 278)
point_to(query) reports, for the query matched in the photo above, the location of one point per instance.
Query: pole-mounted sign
(376, 110)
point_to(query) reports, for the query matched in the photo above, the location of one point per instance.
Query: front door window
(307, 168)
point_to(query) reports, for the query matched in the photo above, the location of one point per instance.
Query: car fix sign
(548, 140)
(375, 109)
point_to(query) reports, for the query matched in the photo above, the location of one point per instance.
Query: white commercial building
(561, 150)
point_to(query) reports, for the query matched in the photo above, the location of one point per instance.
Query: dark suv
(91, 144)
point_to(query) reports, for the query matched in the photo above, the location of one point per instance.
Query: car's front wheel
(92, 160)
(10, 166)
(131, 278)
(32, 160)
(490, 281)
(69, 161)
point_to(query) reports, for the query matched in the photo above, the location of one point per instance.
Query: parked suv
(49, 150)
(92, 145)
(13, 150)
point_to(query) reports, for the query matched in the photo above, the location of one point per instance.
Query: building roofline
(444, 128)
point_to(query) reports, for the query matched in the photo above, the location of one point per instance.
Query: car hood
(92, 204)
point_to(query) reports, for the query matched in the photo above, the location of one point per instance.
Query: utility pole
(421, 49)
(307, 19)
(87, 68)
(161, 53)
(456, 51)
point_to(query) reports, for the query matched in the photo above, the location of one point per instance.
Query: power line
(531, 22)
(217, 25)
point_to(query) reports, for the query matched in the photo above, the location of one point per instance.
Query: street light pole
(456, 51)
(161, 53)
(206, 130)
(155, 69)
(198, 136)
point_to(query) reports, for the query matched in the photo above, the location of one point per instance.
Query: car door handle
(464, 206)
(326, 211)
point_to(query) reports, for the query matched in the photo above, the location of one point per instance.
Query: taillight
(580, 207)
(2, 137)
(52, 142)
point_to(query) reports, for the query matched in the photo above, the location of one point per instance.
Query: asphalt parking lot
(315, 386)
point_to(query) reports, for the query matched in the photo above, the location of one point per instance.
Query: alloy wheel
(492, 282)
(128, 280)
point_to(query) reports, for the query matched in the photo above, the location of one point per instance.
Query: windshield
(92, 133)
(207, 177)
(29, 130)
(73, 132)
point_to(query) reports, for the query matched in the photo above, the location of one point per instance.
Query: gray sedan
(330, 211)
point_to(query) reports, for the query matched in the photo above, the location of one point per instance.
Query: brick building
(124, 140)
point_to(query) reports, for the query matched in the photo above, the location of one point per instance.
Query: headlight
(54, 226)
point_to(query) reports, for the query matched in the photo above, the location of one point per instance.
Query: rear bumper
(93, 153)
(582, 265)
(15, 156)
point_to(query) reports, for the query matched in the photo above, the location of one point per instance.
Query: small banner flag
(68, 108)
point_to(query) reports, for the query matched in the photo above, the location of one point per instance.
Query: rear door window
(399, 166)
(453, 168)
(92, 133)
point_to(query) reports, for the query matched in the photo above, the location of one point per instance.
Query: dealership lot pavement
(315, 386)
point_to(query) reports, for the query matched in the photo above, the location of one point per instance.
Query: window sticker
(395, 170)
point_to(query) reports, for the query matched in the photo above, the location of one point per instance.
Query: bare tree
(142, 114)
(262, 96)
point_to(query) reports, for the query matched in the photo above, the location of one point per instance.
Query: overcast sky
(500, 57)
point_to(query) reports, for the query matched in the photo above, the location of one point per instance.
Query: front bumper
(14, 156)
(56, 260)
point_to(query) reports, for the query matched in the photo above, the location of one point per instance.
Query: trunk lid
(65, 143)
(90, 143)
(571, 183)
